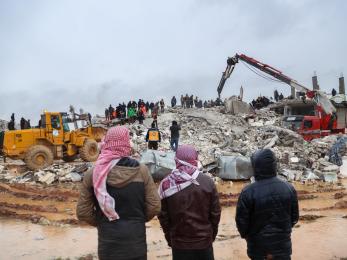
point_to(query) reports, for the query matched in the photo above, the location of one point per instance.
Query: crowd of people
(118, 196)
(260, 102)
(134, 110)
(191, 101)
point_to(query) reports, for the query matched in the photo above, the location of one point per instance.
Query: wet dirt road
(320, 234)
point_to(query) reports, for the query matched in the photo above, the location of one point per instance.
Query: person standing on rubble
(140, 115)
(183, 102)
(276, 96)
(162, 105)
(190, 211)
(186, 100)
(118, 196)
(267, 210)
(173, 101)
(107, 114)
(153, 137)
(280, 97)
(175, 135)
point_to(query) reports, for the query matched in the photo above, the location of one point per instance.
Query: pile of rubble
(65, 172)
(3, 125)
(217, 134)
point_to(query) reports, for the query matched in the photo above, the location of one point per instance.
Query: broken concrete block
(75, 177)
(294, 159)
(331, 168)
(45, 177)
(343, 168)
(330, 177)
(159, 163)
(234, 167)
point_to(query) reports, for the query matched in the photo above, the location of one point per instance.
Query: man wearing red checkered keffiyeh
(185, 173)
(190, 208)
(118, 196)
(115, 145)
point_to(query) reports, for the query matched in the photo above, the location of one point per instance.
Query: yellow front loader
(53, 139)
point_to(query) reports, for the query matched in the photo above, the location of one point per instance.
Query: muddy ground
(39, 222)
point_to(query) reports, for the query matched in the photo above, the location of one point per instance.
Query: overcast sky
(93, 53)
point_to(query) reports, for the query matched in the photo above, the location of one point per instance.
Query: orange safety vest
(153, 136)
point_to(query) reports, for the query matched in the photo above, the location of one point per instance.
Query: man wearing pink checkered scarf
(118, 196)
(190, 208)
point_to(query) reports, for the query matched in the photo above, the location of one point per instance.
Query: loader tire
(69, 158)
(89, 152)
(38, 157)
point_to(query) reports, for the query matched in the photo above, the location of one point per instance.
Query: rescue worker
(118, 196)
(267, 210)
(190, 211)
(153, 137)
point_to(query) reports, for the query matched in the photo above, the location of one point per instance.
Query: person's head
(153, 125)
(174, 122)
(264, 164)
(186, 158)
(117, 141)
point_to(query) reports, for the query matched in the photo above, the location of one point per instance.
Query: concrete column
(342, 85)
(293, 92)
(315, 82)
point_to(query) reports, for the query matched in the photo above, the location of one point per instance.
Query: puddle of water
(324, 238)
(23, 240)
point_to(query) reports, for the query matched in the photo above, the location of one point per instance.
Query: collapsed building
(225, 143)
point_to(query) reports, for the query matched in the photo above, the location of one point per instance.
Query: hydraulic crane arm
(319, 96)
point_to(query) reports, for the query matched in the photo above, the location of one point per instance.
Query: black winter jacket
(267, 210)
(175, 131)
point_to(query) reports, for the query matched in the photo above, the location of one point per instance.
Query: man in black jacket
(175, 135)
(267, 210)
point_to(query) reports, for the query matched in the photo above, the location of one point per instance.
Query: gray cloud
(90, 54)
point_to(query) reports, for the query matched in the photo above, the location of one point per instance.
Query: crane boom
(318, 96)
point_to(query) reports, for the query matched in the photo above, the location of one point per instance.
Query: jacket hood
(264, 164)
(120, 176)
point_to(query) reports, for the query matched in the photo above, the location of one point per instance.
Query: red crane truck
(324, 120)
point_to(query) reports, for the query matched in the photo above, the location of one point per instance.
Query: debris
(234, 167)
(225, 143)
(310, 217)
(39, 238)
(341, 204)
(74, 176)
(159, 163)
(65, 172)
(339, 195)
(235, 106)
(45, 177)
